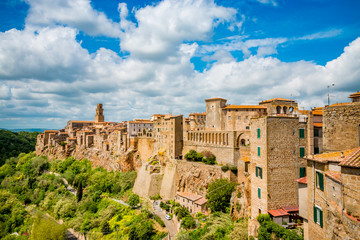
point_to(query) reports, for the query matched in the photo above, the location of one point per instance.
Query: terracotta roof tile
(294, 208)
(318, 124)
(190, 196)
(217, 98)
(244, 107)
(201, 201)
(336, 176)
(354, 95)
(340, 104)
(278, 213)
(277, 99)
(331, 156)
(352, 160)
(302, 180)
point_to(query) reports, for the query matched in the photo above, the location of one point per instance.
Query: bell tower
(99, 117)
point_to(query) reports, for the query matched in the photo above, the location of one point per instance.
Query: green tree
(79, 192)
(188, 222)
(219, 195)
(134, 200)
(105, 228)
(181, 212)
(47, 229)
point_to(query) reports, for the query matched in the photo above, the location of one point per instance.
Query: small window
(259, 193)
(302, 152)
(320, 181)
(258, 150)
(318, 216)
(259, 172)
(247, 127)
(302, 172)
(302, 133)
(229, 117)
(316, 132)
(239, 118)
(258, 133)
(316, 150)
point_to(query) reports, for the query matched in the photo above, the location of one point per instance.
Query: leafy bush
(188, 222)
(225, 168)
(192, 155)
(219, 194)
(159, 220)
(268, 228)
(181, 212)
(156, 197)
(165, 206)
(209, 158)
(134, 200)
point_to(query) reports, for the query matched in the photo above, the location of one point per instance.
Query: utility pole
(329, 92)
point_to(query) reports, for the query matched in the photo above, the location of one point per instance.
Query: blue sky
(59, 58)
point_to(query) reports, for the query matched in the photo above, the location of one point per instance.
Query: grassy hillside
(14, 143)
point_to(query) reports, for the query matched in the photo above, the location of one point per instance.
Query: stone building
(168, 135)
(333, 186)
(193, 202)
(139, 126)
(341, 125)
(197, 121)
(318, 133)
(99, 116)
(226, 130)
(278, 144)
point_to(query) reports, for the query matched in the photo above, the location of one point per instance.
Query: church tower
(99, 117)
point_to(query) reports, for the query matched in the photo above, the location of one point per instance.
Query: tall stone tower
(215, 115)
(99, 117)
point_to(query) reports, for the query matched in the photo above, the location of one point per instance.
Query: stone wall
(223, 144)
(145, 147)
(314, 198)
(147, 183)
(341, 127)
(350, 178)
(178, 176)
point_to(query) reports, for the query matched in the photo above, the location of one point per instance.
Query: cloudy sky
(59, 58)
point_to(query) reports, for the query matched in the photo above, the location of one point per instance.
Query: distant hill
(26, 130)
(14, 143)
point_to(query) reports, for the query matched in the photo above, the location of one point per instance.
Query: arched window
(242, 142)
(278, 109)
(285, 110)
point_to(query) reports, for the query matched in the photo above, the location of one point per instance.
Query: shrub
(225, 168)
(219, 195)
(181, 212)
(105, 228)
(192, 155)
(209, 158)
(156, 197)
(188, 222)
(134, 200)
(159, 220)
(165, 206)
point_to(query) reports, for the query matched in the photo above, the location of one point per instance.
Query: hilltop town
(299, 166)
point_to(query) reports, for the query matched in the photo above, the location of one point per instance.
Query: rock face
(177, 176)
(105, 144)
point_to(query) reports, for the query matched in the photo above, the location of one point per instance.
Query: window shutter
(302, 133)
(259, 151)
(321, 218)
(315, 214)
(302, 151)
(258, 133)
(321, 181)
(257, 171)
(302, 172)
(260, 172)
(259, 193)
